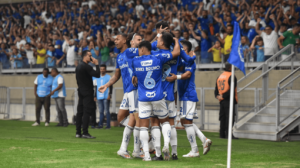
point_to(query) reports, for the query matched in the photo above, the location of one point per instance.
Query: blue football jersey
(130, 54)
(148, 70)
(183, 55)
(122, 64)
(187, 88)
(168, 67)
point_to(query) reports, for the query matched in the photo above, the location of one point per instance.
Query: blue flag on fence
(236, 57)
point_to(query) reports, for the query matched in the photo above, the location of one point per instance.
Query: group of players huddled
(149, 71)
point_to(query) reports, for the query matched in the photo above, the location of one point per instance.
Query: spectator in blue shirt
(16, 58)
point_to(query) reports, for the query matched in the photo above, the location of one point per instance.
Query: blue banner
(236, 57)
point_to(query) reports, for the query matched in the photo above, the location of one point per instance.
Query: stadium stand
(29, 29)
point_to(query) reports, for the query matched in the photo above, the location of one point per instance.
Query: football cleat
(35, 124)
(191, 154)
(155, 158)
(166, 153)
(174, 157)
(206, 146)
(147, 157)
(138, 154)
(124, 154)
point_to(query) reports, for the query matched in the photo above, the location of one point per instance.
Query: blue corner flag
(236, 57)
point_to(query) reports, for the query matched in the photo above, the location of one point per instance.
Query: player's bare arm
(112, 81)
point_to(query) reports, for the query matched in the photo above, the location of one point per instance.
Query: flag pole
(230, 117)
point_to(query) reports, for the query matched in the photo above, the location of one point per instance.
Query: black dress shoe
(59, 125)
(174, 157)
(78, 136)
(65, 125)
(233, 137)
(155, 158)
(88, 136)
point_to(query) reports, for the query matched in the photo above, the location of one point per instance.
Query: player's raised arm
(112, 81)
(176, 50)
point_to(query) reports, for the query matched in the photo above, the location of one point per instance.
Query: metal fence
(19, 103)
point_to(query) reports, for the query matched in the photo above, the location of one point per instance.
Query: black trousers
(39, 102)
(224, 118)
(93, 118)
(86, 107)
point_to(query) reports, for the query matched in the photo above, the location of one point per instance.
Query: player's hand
(160, 30)
(108, 97)
(102, 88)
(171, 78)
(94, 61)
(95, 98)
(134, 81)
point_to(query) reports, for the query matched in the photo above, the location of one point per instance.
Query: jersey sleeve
(35, 81)
(94, 81)
(60, 80)
(117, 63)
(190, 67)
(154, 45)
(184, 56)
(131, 52)
(165, 57)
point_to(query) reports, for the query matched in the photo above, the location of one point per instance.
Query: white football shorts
(188, 110)
(130, 102)
(171, 108)
(153, 108)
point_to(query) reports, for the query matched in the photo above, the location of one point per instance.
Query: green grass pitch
(22, 145)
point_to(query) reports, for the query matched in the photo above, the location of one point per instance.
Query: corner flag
(236, 56)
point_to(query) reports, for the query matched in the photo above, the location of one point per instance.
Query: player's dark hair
(296, 25)
(51, 45)
(162, 23)
(145, 44)
(126, 37)
(46, 69)
(187, 44)
(103, 65)
(56, 70)
(167, 39)
(84, 53)
(227, 67)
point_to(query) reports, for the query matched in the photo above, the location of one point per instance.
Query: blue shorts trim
(144, 118)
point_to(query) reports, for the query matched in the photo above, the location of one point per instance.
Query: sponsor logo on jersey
(150, 94)
(166, 55)
(147, 63)
(190, 68)
(172, 62)
(124, 66)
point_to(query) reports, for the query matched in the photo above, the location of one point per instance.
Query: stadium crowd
(55, 33)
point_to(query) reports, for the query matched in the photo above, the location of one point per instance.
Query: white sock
(126, 137)
(166, 131)
(199, 134)
(136, 135)
(144, 137)
(190, 132)
(155, 133)
(173, 139)
(125, 121)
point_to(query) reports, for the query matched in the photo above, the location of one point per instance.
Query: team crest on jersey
(166, 55)
(147, 63)
(150, 94)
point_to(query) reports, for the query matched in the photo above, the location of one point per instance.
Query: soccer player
(147, 70)
(128, 104)
(162, 47)
(188, 99)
